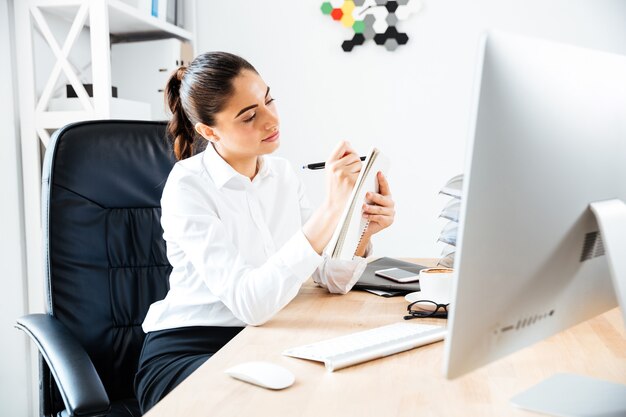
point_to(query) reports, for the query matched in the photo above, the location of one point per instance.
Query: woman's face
(248, 125)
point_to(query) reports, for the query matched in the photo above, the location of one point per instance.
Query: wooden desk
(407, 384)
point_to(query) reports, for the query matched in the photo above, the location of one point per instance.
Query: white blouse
(236, 246)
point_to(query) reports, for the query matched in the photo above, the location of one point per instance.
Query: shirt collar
(265, 170)
(221, 172)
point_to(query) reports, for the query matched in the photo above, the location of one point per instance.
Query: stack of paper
(453, 189)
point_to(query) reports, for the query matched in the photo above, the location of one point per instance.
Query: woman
(241, 236)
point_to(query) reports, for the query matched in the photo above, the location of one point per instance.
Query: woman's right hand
(342, 169)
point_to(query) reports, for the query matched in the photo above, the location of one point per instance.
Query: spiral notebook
(352, 225)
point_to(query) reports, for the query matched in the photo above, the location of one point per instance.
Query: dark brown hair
(195, 94)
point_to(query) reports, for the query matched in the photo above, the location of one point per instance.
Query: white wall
(15, 392)
(412, 103)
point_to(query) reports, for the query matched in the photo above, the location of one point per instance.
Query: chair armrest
(76, 377)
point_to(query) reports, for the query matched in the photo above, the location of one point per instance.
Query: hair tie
(180, 73)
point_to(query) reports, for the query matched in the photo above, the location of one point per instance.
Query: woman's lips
(272, 138)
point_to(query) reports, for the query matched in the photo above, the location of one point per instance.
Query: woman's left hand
(381, 210)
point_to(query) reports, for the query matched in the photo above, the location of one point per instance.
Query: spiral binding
(367, 223)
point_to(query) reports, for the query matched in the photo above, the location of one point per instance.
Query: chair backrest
(105, 257)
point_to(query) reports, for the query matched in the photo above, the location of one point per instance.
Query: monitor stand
(568, 395)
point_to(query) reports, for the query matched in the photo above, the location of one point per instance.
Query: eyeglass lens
(426, 308)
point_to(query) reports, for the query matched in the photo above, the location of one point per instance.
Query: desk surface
(409, 383)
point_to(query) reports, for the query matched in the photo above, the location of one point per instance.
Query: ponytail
(179, 127)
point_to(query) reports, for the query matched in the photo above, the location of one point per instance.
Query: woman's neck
(247, 166)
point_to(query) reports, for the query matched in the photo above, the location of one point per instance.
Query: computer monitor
(548, 139)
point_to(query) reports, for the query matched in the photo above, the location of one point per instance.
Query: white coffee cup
(435, 285)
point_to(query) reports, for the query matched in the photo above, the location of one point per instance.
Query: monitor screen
(548, 138)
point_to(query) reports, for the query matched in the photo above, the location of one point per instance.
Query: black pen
(321, 165)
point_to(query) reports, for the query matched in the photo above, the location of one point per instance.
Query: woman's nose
(271, 122)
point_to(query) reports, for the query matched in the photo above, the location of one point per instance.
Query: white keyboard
(379, 342)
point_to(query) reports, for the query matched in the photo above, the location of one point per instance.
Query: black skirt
(169, 356)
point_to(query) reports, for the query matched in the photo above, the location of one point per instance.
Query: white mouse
(263, 374)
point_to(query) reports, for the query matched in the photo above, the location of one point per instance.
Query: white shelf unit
(105, 20)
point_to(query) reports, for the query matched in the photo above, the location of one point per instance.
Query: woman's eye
(251, 118)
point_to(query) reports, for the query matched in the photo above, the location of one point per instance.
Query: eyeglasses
(426, 308)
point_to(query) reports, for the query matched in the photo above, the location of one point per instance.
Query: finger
(377, 218)
(350, 150)
(383, 185)
(355, 167)
(349, 159)
(381, 200)
(339, 150)
(342, 148)
(348, 164)
(385, 211)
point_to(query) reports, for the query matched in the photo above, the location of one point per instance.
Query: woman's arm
(342, 169)
(340, 276)
(254, 294)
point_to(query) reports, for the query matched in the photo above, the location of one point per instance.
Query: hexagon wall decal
(375, 20)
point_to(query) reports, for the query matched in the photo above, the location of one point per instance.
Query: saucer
(424, 295)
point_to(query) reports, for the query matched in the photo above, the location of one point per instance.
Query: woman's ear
(206, 132)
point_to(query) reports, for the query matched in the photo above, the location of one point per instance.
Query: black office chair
(105, 263)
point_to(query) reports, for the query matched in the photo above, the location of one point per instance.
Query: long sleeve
(236, 246)
(338, 276)
(252, 293)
